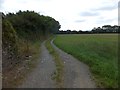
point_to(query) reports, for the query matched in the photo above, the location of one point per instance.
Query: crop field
(98, 51)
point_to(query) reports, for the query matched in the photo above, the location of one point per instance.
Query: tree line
(30, 22)
(104, 29)
(20, 30)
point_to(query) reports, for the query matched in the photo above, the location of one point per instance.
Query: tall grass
(99, 51)
(29, 53)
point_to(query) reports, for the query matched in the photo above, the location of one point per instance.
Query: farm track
(41, 75)
(76, 73)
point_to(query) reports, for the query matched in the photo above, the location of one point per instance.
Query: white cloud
(72, 14)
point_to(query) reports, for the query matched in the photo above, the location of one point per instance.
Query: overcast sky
(72, 14)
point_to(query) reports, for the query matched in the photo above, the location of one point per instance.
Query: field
(98, 51)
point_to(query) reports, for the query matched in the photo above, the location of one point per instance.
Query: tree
(30, 22)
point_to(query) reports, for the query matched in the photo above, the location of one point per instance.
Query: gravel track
(41, 75)
(76, 73)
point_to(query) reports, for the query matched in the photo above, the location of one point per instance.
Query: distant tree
(106, 29)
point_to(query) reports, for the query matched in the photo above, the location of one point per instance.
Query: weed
(59, 64)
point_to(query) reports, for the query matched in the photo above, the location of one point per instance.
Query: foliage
(9, 43)
(23, 28)
(22, 34)
(104, 29)
(27, 23)
(98, 51)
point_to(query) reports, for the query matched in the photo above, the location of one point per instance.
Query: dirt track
(76, 73)
(41, 75)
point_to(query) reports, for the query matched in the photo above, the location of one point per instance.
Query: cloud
(103, 20)
(90, 13)
(79, 21)
(72, 14)
(107, 8)
(1, 2)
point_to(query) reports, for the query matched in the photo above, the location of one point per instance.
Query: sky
(71, 14)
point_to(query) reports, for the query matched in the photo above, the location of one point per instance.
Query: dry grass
(28, 55)
(58, 74)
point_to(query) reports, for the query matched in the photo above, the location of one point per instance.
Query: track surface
(42, 74)
(76, 73)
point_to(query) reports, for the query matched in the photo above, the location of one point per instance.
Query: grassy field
(99, 51)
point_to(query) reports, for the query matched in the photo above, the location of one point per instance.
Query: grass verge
(14, 77)
(58, 74)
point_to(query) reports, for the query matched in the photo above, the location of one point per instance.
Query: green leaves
(31, 22)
